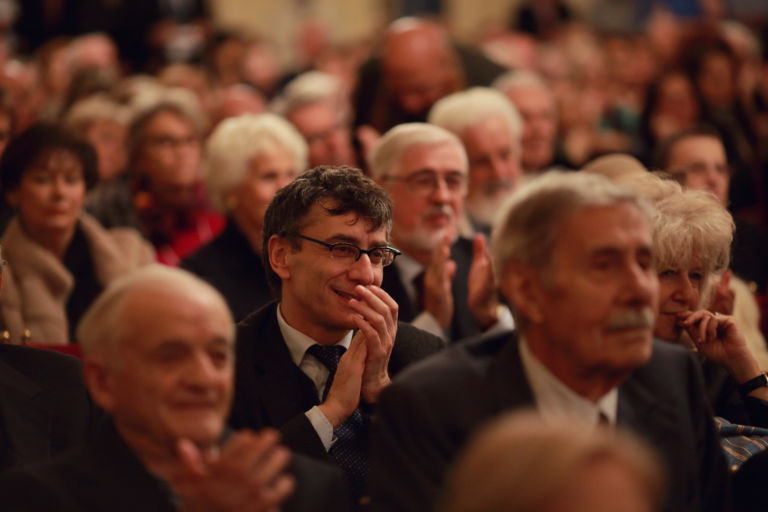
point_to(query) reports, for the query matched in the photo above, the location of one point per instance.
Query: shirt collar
(298, 342)
(556, 401)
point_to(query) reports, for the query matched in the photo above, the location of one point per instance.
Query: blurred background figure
(490, 128)
(247, 160)
(168, 197)
(536, 103)
(59, 258)
(553, 468)
(317, 106)
(234, 101)
(101, 122)
(417, 65)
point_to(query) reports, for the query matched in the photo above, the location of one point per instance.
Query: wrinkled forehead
(621, 226)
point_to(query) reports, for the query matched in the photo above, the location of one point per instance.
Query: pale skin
(362, 371)
(179, 372)
(718, 338)
(483, 300)
(245, 474)
(347, 295)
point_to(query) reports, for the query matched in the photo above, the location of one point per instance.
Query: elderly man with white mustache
(575, 259)
(442, 283)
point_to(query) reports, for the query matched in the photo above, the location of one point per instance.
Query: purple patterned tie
(350, 451)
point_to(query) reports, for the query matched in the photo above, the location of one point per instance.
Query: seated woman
(692, 235)
(59, 258)
(247, 160)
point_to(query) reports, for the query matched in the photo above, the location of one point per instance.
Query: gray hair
(519, 78)
(530, 225)
(692, 225)
(386, 154)
(237, 140)
(457, 111)
(98, 107)
(309, 88)
(100, 331)
(533, 460)
(528, 230)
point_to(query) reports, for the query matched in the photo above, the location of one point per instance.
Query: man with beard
(575, 258)
(442, 283)
(489, 127)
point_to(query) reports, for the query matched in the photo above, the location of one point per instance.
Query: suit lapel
(508, 382)
(269, 376)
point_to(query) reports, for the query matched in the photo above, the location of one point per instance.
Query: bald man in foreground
(159, 359)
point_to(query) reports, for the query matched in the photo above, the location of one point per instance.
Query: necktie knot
(328, 355)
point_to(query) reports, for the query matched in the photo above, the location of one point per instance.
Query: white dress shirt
(408, 268)
(298, 343)
(557, 402)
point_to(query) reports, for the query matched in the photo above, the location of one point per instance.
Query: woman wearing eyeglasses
(247, 160)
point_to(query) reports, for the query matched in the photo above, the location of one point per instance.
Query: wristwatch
(752, 384)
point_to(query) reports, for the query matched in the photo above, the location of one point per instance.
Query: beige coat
(36, 285)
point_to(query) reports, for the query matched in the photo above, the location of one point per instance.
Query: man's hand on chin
(377, 325)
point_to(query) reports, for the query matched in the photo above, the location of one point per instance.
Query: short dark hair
(23, 151)
(664, 149)
(348, 191)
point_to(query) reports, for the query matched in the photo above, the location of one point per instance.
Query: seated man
(443, 283)
(326, 246)
(574, 253)
(159, 359)
(489, 126)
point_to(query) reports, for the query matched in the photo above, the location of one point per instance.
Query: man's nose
(440, 192)
(201, 371)
(642, 285)
(361, 271)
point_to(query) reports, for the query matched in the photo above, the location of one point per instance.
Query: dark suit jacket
(427, 415)
(270, 390)
(231, 266)
(44, 406)
(107, 476)
(463, 323)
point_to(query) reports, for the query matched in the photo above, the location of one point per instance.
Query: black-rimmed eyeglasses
(346, 251)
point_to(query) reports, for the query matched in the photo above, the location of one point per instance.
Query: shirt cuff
(504, 322)
(427, 322)
(321, 425)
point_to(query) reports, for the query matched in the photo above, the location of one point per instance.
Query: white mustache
(632, 319)
(442, 209)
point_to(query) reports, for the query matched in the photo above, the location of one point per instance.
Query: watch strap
(752, 384)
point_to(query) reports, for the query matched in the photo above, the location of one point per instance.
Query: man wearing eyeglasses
(443, 283)
(314, 364)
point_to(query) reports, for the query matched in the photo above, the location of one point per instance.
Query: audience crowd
(523, 272)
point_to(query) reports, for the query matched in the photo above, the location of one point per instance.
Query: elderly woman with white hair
(692, 236)
(247, 160)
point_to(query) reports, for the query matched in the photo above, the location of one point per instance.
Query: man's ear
(279, 250)
(522, 287)
(97, 380)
